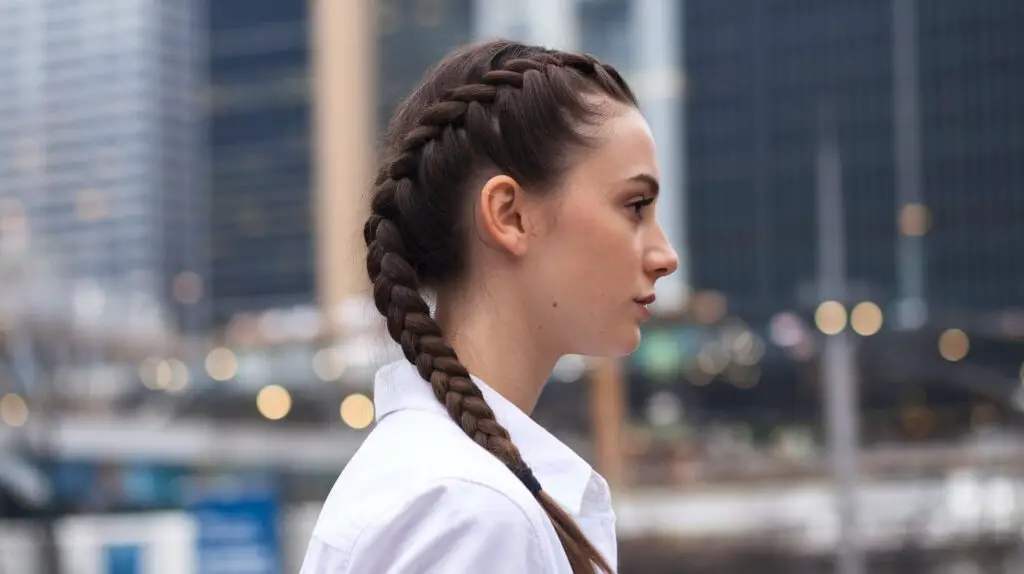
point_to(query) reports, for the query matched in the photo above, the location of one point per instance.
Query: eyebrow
(649, 180)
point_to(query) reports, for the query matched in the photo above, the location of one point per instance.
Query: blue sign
(237, 533)
(122, 559)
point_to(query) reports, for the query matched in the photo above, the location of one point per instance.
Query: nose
(661, 258)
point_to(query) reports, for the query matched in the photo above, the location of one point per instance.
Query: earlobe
(502, 223)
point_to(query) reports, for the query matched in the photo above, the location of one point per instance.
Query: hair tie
(525, 475)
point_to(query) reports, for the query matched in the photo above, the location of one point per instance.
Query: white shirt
(420, 496)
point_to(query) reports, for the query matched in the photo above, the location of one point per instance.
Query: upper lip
(646, 300)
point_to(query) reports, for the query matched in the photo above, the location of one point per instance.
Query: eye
(639, 206)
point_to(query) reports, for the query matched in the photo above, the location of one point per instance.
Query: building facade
(273, 143)
(971, 75)
(761, 75)
(411, 37)
(259, 112)
(99, 146)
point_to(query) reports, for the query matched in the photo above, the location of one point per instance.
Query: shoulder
(450, 524)
(458, 506)
(418, 485)
(413, 456)
(415, 448)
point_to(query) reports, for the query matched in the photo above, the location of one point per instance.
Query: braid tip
(525, 475)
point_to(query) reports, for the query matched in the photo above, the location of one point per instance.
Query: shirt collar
(562, 473)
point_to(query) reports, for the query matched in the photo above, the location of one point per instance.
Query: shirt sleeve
(451, 527)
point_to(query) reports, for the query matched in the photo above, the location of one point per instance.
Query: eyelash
(639, 206)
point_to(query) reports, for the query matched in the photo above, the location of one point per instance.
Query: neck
(497, 344)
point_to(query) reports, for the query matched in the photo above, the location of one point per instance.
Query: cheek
(596, 261)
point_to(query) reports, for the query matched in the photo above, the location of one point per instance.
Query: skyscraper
(761, 78)
(259, 110)
(99, 145)
(760, 75)
(971, 77)
(411, 37)
(285, 173)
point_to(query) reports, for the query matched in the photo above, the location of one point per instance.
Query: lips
(642, 304)
(646, 300)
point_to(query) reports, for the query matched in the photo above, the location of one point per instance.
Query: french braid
(463, 122)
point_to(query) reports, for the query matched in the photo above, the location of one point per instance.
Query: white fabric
(419, 496)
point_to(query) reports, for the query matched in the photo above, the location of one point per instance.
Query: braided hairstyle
(493, 108)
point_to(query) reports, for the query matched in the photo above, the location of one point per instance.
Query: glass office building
(99, 144)
(412, 36)
(972, 110)
(761, 74)
(259, 143)
(261, 108)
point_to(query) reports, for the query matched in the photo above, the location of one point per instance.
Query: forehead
(624, 148)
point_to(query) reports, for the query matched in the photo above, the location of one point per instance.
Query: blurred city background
(833, 383)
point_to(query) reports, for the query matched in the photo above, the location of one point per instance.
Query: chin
(623, 344)
(633, 342)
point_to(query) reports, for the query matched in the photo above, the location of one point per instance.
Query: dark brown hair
(494, 108)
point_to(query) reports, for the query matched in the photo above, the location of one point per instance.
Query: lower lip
(645, 313)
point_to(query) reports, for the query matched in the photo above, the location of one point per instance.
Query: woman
(518, 187)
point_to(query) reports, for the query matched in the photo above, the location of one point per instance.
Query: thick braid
(397, 297)
(396, 288)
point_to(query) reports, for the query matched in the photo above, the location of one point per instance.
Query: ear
(501, 219)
